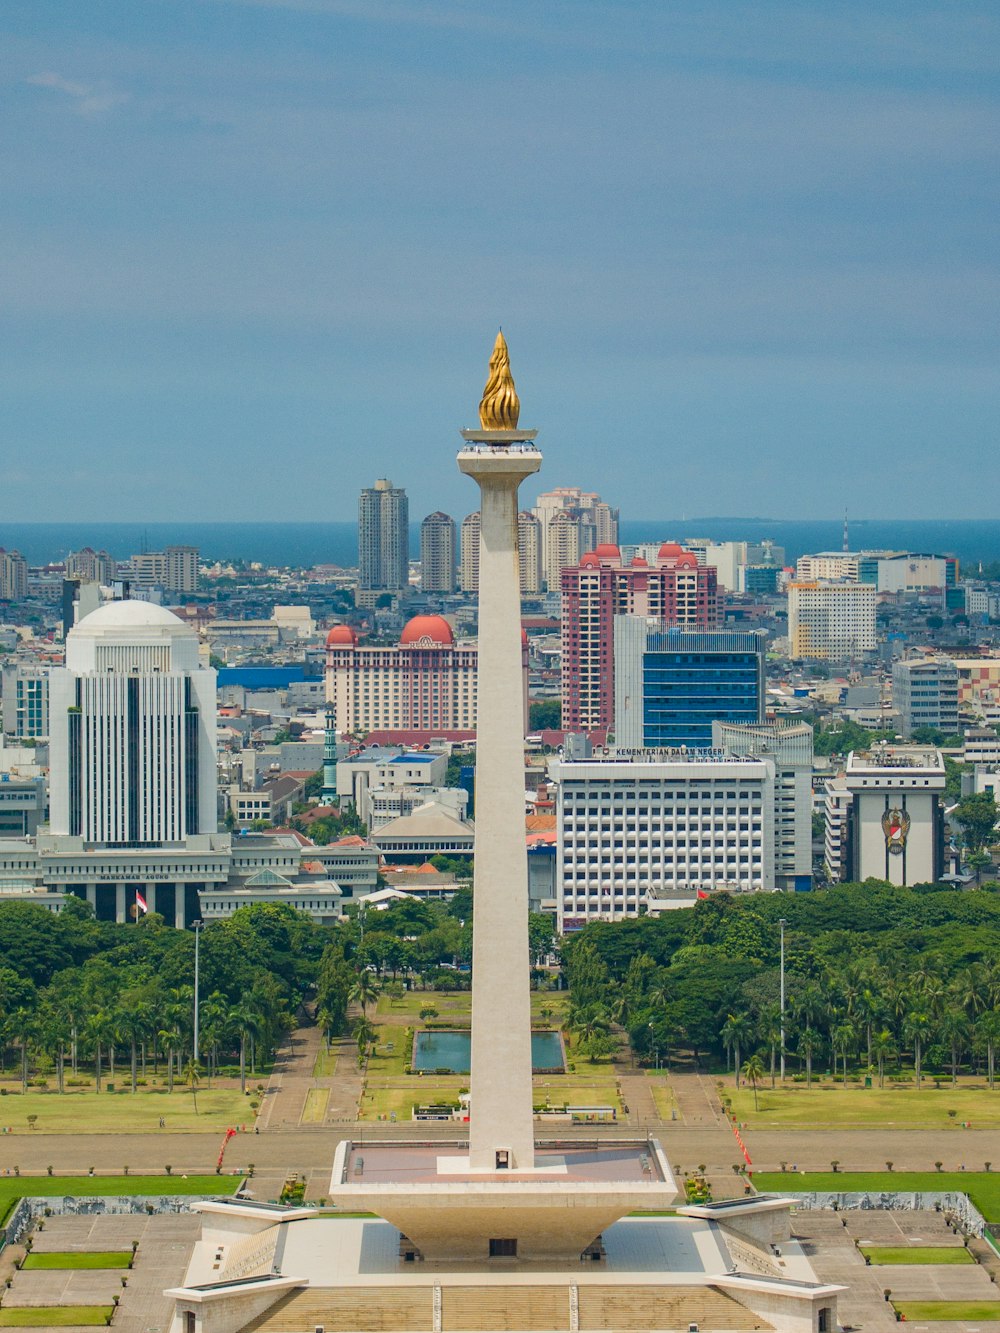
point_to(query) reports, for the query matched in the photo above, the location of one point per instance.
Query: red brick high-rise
(676, 590)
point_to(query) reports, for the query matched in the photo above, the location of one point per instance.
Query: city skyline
(754, 247)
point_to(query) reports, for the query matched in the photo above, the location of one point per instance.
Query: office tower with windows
(672, 684)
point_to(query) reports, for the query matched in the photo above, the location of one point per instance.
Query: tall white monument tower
(498, 457)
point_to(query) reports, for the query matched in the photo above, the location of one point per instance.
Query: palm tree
(753, 1072)
(809, 1039)
(737, 1032)
(884, 1048)
(245, 1020)
(869, 1008)
(988, 1030)
(917, 1029)
(843, 1039)
(954, 1028)
(170, 1037)
(365, 990)
(98, 1029)
(365, 1036)
(769, 1032)
(192, 1077)
(23, 1028)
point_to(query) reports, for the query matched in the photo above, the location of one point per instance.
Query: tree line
(877, 979)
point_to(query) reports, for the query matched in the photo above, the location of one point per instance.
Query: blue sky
(255, 253)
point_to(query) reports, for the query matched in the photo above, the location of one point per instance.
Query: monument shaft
(501, 1125)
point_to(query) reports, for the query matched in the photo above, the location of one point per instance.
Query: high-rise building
(383, 538)
(90, 566)
(132, 731)
(529, 553)
(831, 621)
(672, 684)
(676, 591)
(175, 569)
(925, 694)
(571, 522)
(13, 576)
(437, 553)
(25, 700)
(469, 567)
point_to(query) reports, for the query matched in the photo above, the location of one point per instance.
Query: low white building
(885, 819)
(656, 828)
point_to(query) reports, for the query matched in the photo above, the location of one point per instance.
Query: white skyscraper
(132, 724)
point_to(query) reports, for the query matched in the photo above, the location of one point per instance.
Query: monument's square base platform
(449, 1210)
(720, 1269)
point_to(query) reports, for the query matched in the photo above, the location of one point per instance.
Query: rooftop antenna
(847, 540)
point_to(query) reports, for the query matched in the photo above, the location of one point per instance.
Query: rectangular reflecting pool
(452, 1051)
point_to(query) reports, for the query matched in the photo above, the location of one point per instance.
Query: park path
(697, 1100)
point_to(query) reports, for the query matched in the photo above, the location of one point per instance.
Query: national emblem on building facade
(896, 827)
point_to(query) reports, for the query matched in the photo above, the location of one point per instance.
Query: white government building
(133, 790)
(652, 829)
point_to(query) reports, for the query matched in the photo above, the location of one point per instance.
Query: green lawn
(13, 1188)
(917, 1254)
(74, 1259)
(981, 1186)
(818, 1107)
(88, 1112)
(314, 1111)
(326, 1064)
(54, 1316)
(948, 1309)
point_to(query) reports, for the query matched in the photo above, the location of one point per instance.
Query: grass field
(314, 1111)
(818, 1107)
(73, 1259)
(326, 1064)
(55, 1316)
(948, 1309)
(982, 1187)
(82, 1112)
(917, 1254)
(13, 1188)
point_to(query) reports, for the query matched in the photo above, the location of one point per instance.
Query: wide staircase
(496, 1309)
(665, 1308)
(351, 1310)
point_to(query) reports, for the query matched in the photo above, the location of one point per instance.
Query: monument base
(450, 1211)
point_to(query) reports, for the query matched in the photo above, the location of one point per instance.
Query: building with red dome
(675, 591)
(424, 687)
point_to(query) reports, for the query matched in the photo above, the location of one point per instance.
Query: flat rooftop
(415, 1164)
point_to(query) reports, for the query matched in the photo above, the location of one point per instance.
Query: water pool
(452, 1050)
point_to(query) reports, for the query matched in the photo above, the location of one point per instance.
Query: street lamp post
(196, 925)
(782, 923)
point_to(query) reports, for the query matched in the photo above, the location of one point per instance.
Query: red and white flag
(140, 902)
(702, 893)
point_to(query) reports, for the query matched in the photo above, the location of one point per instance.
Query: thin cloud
(88, 99)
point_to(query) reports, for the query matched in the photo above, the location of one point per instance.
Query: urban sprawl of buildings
(188, 737)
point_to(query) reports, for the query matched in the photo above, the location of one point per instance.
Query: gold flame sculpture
(500, 406)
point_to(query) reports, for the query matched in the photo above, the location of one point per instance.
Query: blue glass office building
(672, 684)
